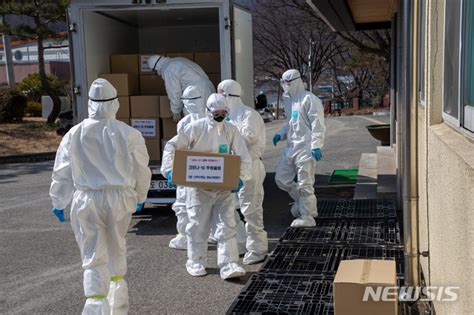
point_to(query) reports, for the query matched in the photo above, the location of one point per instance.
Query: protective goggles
(286, 81)
(230, 95)
(154, 66)
(103, 101)
(190, 98)
(217, 112)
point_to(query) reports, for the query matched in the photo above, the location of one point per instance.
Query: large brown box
(352, 279)
(145, 106)
(153, 147)
(125, 84)
(165, 107)
(124, 109)
(149, 127)
(206, 170)
(124, 64)
(210, 62)
(151, 84)
(169, 128)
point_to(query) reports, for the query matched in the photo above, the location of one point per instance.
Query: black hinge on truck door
(148, 1)
(227, 23)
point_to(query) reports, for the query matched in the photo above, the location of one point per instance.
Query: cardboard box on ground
(206, 170)
(125, 84)
(352, 279)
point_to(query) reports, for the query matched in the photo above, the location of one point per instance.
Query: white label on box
(144, 63)
(205, 169)
(146, 126)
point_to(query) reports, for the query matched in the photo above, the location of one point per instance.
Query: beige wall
(446, 184)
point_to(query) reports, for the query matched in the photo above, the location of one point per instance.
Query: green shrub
(12, 105)
(33, 109)
(31, 86)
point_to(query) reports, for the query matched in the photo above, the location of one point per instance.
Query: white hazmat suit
(179, 73)
(304, 131)
(209, 135)
(102, 166)
(194, 104)
(252, 128)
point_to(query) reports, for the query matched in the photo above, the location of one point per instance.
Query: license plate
(160, 185)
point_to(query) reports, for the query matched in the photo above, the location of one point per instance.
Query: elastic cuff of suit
(117, 278)
(97, 297)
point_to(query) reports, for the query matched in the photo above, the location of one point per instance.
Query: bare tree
(35, 19)
(284, 37)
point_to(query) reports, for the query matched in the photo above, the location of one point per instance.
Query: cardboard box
(169, 128)
(149, 127)
(151, 84)
(206, 170)
(126, 84)
(165, 108)
(124, 64)
(124, 109)
(154, 150)
(352, 279)
(210, 62)
(215, 79)
(144, 68)
(145, 106)
(125, 120)
(187, 55)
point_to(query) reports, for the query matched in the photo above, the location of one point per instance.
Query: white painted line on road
(373, 120)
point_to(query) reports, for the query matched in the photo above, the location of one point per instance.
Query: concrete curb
(27, 158)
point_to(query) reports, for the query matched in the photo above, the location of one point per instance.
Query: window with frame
(458, 92)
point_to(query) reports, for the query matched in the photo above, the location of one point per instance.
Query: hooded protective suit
(178, 74)
(102, 166)
(303, 132)
(195, 106)
(252, 128)
(209, 135)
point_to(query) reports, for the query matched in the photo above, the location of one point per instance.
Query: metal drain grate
(323, 260)
(355, 232)
(352, 209)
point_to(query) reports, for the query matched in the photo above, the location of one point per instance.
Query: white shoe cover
(242, 248)
(232, 270)
(179, 242)
(196, 269)
(304, 221)
(295, 209)
(251, 258)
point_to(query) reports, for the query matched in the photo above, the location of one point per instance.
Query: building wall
(59, 69)
(446, 183)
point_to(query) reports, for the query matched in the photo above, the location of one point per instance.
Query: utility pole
(8, 57)
(9, 61)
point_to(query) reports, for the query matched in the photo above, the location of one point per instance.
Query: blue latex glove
(59, 213)
(139, 207)
(170, 185)
(241, 184)
(317, 154)
(276, 139)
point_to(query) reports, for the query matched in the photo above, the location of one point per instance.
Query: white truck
(100, 28)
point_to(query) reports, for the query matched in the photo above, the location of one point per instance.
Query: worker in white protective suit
(213, 134)
(195, 105)
(252, 128)
(102, 166)
(179, 73)
(304, 134)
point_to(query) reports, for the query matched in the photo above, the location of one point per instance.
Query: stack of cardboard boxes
(142, 95)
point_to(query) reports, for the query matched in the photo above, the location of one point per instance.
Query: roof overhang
(355, 15)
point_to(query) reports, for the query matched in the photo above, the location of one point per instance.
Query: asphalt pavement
(41, 271)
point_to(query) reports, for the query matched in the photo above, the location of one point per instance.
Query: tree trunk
(45, 84)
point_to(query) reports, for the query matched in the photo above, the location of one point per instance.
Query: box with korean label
(206, 170)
